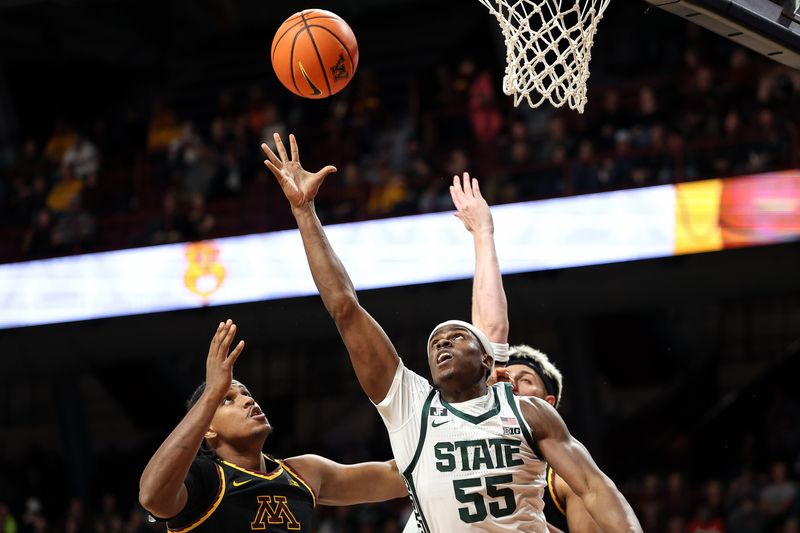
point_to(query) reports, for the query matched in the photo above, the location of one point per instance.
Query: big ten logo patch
(204, 273)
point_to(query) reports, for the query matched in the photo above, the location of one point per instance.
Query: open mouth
(442, 357)
(255, 412)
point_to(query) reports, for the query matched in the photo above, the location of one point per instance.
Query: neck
(462, 395)
(250, 458)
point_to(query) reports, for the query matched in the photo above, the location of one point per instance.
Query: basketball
(314, 53)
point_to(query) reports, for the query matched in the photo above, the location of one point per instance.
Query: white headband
(481, 336)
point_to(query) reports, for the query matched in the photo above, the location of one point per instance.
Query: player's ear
(487, 362)
(550, 399)
(210, 434)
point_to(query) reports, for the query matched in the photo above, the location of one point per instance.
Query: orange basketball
(314, 53)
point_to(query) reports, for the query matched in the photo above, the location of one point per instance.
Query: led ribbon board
(560, 233)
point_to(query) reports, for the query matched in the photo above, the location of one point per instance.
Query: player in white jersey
(528, 370)
(454, 489)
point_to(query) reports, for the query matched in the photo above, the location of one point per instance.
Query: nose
(248, 401)
(442, 342)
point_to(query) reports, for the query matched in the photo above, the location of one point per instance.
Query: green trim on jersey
(423, 431)
(475, 419)
(417, 507)
(522, 424)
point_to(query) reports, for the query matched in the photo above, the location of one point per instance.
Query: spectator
(163, 127)
(676, 502)
(76, 520)
(484, 115)
(169, 226)
(201, 166)
(583, 174)
(350, 200)
(228, 179)
(611, 119)
(199, 222)
(33, 520)
(31, 163)
(184, 148)
(705, 522)
(779, 496)
(389, 195)
(74, 229)
(59, 142)
(38, 237)
(557, 137)
(8, 523)
(746, 518)
(648, 116)
(82, 158)
(64, 192)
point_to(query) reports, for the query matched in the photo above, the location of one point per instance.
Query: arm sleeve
(404, 400)
(202, 487)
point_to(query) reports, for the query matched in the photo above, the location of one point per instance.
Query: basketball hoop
(548, 48)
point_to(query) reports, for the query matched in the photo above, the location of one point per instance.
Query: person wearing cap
(529, 371)
(473, 456)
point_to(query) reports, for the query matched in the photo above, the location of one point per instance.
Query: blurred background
(129, 124)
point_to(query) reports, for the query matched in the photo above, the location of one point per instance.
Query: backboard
(769, 27)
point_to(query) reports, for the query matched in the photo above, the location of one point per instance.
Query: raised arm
(570, 459)
(372, 354)
(161, 488)
(489, 306)
(338, 484)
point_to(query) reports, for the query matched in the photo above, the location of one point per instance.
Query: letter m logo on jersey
(438, 411)
(273, 510)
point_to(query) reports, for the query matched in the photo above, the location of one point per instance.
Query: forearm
(163, 476)
(371, 352)
(609, 508)
(489, 305)
(330, 277)
(367, 483)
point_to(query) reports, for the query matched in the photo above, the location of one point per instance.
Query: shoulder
(312, 468)
(542, 417)
(530, 406)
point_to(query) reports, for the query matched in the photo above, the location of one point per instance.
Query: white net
(548, 48)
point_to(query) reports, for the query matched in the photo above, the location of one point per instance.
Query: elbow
(343, 307)
(147, 501)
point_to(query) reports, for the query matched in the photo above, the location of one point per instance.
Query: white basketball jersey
(475, 472)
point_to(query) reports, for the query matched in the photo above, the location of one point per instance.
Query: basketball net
(548, 48)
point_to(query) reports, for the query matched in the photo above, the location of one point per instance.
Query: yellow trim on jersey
(253, 473)
(551, 486)
(211, 510)
(300, 479)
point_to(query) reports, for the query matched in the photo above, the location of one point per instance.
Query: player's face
(455, 356)
(239, 416)
(528, 383)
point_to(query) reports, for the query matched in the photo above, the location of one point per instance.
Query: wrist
(483, 234)
(304, 210)
(211, 397)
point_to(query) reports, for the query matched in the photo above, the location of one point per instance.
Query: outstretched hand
(299, 185)
(219, 365)
(471, 208)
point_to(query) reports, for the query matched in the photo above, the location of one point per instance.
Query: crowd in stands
(175, 173)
